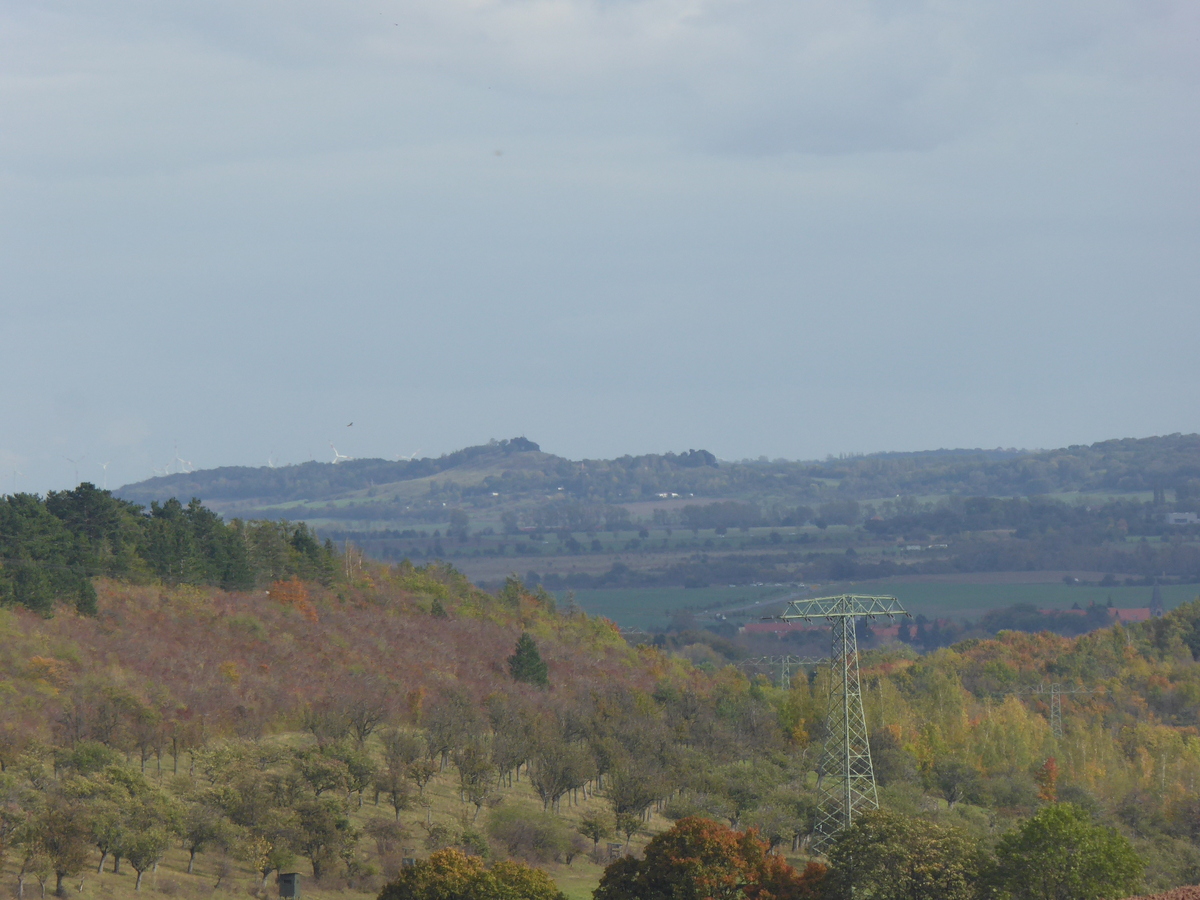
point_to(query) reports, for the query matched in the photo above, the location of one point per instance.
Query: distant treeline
(1158, 464)
(1140, 563)
(50, 548)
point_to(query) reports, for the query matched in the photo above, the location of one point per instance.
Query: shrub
(534, 837)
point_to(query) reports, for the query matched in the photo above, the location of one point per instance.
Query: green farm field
(651, 608)
(972, 600)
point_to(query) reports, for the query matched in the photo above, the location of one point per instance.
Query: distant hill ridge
(311, 479)
(518, 471)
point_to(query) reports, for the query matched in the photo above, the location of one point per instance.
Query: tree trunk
(191, 860)
(116, 863)
(137, 885)
(103, 860)
(58, 888)
(20, 886)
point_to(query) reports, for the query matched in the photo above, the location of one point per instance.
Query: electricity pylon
(1055, 692)
(785, 664)
(845, 777)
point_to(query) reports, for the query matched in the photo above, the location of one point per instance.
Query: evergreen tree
(527, 665)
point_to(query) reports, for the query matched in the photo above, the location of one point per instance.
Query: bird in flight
(350, 424)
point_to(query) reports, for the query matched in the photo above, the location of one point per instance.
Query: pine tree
(526, 664)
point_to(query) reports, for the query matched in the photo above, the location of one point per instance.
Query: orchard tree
(632, 787)
(558, 767)
(63, 837)
(393, 781)
(323, 832)
(368, 706)
(512, 733)
(450, 724)
(1061, 854)
(360, 769)
(201, 827)
(596, 825)
(476, 774)
(145, 848)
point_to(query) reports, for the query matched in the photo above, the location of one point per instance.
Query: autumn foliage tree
(698, 859)
(451, 874)
(888, 856)
(1047, 780)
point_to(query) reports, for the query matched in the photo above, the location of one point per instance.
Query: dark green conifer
(527, 665)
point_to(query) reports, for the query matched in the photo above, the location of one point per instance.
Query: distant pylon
(1055, 692)
(785, 665)
(845, 776)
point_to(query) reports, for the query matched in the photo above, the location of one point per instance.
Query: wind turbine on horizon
(185, 465)
(75, 463)
(338, 457)
(104, 466)
(408, 458)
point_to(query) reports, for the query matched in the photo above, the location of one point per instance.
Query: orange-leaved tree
(699, 859)
(1047, 780)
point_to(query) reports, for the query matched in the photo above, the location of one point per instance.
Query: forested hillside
(50, 548)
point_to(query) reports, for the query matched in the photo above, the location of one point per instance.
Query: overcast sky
(778, 227)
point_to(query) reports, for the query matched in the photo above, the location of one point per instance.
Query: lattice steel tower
(845, 778)
(1055, 692)
(784, 664)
